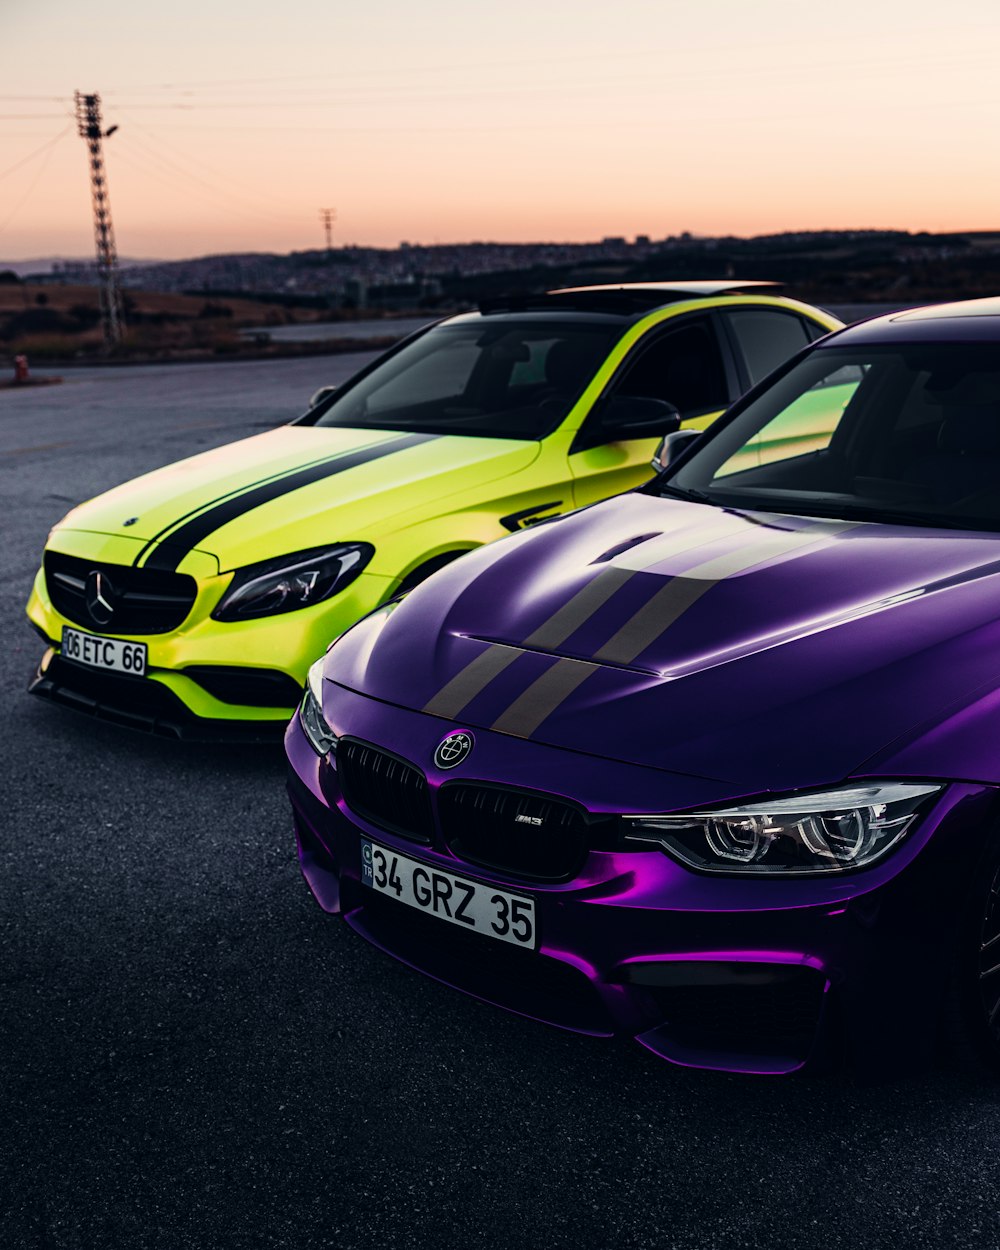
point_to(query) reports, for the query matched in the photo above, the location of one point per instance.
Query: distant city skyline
(449, 122)
(482, 253)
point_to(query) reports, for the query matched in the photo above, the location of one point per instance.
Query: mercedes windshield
(495, 377)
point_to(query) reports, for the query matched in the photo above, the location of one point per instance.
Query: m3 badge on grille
(451, 751)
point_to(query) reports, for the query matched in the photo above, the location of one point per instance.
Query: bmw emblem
(451, 751)
(130, 520)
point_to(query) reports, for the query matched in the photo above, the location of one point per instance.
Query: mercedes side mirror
(671, 446)
(638, 416)
(324, 392)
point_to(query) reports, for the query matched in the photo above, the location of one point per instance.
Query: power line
(37, 152)
(191, 159)
(647, 123)
(629, 56)
(151, 165)
(215, 84)
(139, 158)
(49, 148)
(173, 170)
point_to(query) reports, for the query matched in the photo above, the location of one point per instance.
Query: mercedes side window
(766, 338)
(683, 367)
(814, 330)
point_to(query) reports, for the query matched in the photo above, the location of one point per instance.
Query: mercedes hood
(292, 488)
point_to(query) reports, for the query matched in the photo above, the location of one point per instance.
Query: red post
(20, 368)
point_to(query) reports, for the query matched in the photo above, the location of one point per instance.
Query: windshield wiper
(836, 511)
(894, 516)
(692, 496)
(884, 516)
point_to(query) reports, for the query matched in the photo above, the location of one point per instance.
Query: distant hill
(826, 266)
(50, 264)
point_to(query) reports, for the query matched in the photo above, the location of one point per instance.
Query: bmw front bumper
(765, 976)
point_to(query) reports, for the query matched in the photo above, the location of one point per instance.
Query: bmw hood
(292, 488)
(766, 651)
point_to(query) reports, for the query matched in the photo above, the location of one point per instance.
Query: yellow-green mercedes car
(192, 600)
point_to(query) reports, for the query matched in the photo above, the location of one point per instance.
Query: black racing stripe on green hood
(169, 553)
(162, 535)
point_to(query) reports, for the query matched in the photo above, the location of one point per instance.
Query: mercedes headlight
(321, 737)
(830, 831)
(291, 582)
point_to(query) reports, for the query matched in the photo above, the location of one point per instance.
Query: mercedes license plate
(107, 653)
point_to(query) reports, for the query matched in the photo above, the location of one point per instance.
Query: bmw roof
(964, 321)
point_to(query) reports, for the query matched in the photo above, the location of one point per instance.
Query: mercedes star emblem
(453, 749)
(100, 596)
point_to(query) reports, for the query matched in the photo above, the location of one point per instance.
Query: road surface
(194, 1055)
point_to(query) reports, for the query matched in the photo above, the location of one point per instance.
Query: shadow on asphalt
(194, 1054)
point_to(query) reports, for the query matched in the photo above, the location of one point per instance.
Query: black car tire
(972, 1018)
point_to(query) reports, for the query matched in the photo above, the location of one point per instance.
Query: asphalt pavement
(192, 1054)
(315, 331)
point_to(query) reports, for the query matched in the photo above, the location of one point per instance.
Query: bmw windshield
(907, 434)
(493, 377)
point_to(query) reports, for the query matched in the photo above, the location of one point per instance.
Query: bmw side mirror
(638, 416)
(671, 446)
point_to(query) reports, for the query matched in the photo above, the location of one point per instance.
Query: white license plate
(474, 905)
(109, 653)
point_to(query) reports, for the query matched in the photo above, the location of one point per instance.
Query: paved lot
(193, 1055)
(313, 331)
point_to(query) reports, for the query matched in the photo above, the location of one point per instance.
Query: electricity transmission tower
(88, 121)
(328, 216)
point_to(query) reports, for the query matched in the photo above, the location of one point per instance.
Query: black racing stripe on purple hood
(168, 554)
(667, 605)
(469, 681)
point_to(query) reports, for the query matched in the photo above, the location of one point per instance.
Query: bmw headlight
(292, 582)
(321, 737)
(830, 831)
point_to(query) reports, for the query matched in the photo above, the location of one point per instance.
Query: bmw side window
(841, 377)
(767, 342)
(806, 425)
(767, 339)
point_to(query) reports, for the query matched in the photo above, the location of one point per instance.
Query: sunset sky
(452, 120)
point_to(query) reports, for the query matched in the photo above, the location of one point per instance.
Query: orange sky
(455, 120)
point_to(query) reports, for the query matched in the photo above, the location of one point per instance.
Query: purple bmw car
(715, 764)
